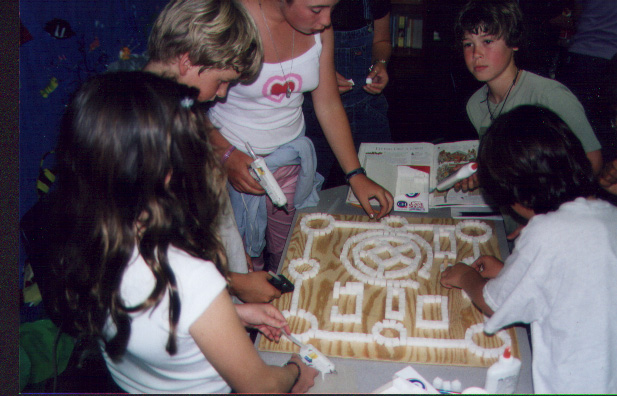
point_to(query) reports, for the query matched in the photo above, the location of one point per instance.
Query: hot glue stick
(502, 376)
(461, 174)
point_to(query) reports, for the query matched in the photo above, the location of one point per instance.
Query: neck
(271, 11)
(498, 89)
(162, 69)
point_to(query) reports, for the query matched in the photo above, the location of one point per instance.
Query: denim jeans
(367, 114)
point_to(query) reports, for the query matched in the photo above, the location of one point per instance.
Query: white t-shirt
(146, 367)
(562, 279)
(260, 113)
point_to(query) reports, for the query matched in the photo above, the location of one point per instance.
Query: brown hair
(502, 18)
(135, 172)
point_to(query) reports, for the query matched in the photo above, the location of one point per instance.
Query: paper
(410, 170)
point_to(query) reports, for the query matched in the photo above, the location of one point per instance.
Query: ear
(184, 64)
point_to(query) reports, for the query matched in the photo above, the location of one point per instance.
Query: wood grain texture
(316, 297)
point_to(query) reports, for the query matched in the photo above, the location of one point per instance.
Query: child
(137, 261)
(299, 57)
(208, 44)
(491, 32)
(560, 277)
(362, 49)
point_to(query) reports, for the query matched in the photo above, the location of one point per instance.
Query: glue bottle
(502, 376)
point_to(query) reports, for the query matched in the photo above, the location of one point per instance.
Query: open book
(411, 170)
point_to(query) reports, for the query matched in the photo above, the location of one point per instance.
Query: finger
(386, 202)
(368, 208)
(444, 282)
(342, 90)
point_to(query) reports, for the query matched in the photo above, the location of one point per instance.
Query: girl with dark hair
(138, 263)
(560, 277)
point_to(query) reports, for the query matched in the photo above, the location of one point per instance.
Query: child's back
(560, 278)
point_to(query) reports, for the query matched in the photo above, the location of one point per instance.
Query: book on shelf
(406, 31)
(411, 170)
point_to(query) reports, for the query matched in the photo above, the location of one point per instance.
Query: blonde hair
(216, 34)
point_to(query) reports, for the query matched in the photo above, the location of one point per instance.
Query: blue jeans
(367, 114)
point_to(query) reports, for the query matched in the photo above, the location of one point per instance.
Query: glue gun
(312, 357)
(260, 172)
(461, 174)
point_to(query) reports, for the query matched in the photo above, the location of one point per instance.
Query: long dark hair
(135, 170)
(531, 157)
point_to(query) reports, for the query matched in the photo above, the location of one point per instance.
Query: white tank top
(260, 113)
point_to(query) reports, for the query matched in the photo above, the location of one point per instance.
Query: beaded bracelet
(225, 156)
(354, 172)
(297, 376)
(382, 61)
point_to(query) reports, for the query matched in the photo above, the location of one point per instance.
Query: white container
(502, 376)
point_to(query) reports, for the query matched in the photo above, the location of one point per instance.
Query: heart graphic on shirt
(276, 86)
(278, 89)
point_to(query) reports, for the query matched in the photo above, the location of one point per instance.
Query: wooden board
(354, 249)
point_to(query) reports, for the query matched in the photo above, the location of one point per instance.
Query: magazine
(410, 171)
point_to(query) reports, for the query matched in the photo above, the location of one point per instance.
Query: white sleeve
(520, 292)
(199, 283)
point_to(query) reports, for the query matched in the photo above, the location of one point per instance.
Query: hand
(379, 75)
(253, 287)
(365, 189)
(307, 376)
(237, 167)
(469, 184)
(452, 276)
(344, 85)
(249, 262)
(263, 317)
(608, 177)
(488, 266)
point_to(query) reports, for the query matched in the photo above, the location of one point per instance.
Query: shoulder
(187, 267)
(571, 222)
(476, 103)
(198, 283)
(478, 96)
(542, 85)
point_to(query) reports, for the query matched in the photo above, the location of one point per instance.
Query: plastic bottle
(502, 376)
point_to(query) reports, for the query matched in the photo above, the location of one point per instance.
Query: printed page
(382, 162)
(448, 157)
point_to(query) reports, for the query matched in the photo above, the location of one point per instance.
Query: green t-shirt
(533, 89)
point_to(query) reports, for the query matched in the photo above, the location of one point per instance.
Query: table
(364, 376)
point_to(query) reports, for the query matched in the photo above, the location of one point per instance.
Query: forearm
(382, 46)
(223, 340)
(595, 157)
(252, 287)
(218, 142)
(473, 284)
(338, 134)
(273, 379)
(381, 51)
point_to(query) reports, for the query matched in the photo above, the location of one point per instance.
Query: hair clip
(187, 102)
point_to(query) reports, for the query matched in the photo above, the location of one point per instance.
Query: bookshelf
(429, 85)
(408, 28)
